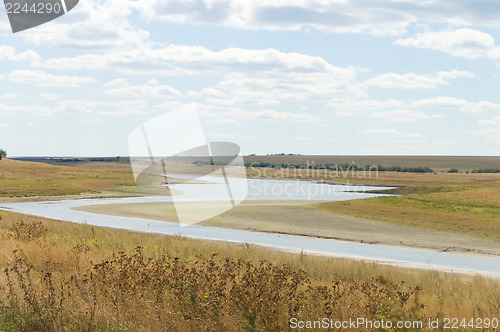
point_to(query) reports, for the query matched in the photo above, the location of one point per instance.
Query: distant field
(462, 163)
(434, 162)
(460, 203)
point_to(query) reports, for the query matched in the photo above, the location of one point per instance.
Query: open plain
(64, 276)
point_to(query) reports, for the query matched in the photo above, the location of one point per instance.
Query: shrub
(27, 231)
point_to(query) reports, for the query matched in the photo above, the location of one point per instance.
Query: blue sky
(402, 77)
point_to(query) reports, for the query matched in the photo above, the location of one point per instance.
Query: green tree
(3, 154)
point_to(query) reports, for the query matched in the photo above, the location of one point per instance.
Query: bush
(27, 231)
(215, 294)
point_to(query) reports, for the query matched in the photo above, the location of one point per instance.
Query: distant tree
(3, 154)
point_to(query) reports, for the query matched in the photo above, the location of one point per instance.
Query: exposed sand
(305, 219)
(120, 192)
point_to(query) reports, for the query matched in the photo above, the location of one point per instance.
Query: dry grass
(435, 162)
(59, 276)
(474, 212)
(26, 179)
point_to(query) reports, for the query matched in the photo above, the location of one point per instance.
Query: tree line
(328, 166)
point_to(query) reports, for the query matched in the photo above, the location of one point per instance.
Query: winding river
(263, 190)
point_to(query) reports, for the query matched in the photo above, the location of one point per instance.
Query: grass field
(58, 276)
(36, 180)
(471, 212)
(437, 163)
(459, 203)
(27, 179)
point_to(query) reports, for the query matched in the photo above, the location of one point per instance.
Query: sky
(330, 77)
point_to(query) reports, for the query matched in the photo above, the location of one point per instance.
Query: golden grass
(59, 276)
(474, 212)
(418, 182)
(26, 179)
(434, 162)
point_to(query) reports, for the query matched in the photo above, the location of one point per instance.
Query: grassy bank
(28, 179)
(305, 218)
(58, 276)
(472, 211)
(460, 203)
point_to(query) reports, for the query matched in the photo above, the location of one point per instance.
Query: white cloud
(332, 15)
(487, 122)
(231, 136)
(121, 88)
(125, 107)
(92, 25)
(203, 109)
(272, 115)
(114, 108)
(466, 43)
(392, 132)
(439, 102)
(10, 95)
(195, 60)
(412, 110)
(454, 74)
(494, 121)
(479, 107)
(77, 106)
(341, 16)
(353, 107)
(41, 78)
(211, 92)
(494, 54)
(415, 81)
(8, 53)
(230, 121)
(264, 88)
(461, 104)
(28, 56)
(49, 96)
(379, 131)
(29, 110)
(402, 115)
